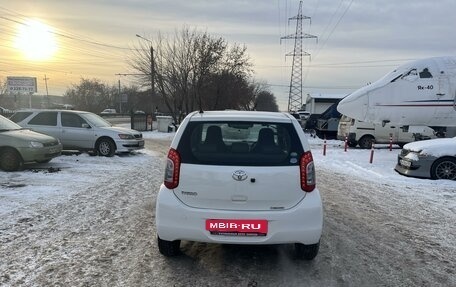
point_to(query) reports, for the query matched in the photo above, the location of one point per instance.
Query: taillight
(307, 172)
(172, 169)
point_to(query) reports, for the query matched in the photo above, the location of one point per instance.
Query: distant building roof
(327, 96)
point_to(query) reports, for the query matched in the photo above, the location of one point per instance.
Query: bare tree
(265, 101)
(92, 95)
(3, 87)
(3, 99)
(191, 65)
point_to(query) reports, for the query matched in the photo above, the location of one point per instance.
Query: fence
(6, 114)
(149, 122)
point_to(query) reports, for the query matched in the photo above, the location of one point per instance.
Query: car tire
(444, 168)
(10, 160)
(93, 152)
(352, 144)
(106, 147)
(168, 248)
(306, 252)
(366, 142)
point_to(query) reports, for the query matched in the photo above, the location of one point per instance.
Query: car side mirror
(87, 126)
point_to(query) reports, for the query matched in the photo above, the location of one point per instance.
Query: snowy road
(378, 231)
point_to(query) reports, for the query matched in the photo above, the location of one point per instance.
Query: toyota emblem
(239, 175)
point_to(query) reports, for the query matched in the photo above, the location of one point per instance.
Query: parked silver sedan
(434, 159)
(80, 130)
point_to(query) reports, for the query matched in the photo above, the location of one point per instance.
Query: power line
(334, 28)
(62, 34)
(77, 55)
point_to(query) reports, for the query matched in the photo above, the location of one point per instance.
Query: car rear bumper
(300, 224)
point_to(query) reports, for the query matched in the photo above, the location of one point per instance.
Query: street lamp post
(152, 72)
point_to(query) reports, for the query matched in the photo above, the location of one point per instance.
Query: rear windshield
(240, 143)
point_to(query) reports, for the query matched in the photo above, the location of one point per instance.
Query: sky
(358, 41)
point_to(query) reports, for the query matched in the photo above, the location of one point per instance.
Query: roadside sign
(21, 84)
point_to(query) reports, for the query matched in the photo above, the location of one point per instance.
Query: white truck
(364, 133)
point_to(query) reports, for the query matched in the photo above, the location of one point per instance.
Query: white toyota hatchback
(240, 177)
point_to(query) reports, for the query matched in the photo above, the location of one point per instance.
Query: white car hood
(435, 147)
(121, 130)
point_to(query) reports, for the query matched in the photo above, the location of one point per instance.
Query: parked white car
(79, 130)
(238, 177)
(434, 159)
(108, 111)
(364, 133)
(304, 115)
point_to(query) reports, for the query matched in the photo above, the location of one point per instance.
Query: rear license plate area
(237, 227)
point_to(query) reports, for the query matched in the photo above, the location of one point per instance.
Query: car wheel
(307, 252)
(444, 168)
(10, 160)
(352, 144)
(93, 152)
(366, 141)
(106, 147)
(168, 248)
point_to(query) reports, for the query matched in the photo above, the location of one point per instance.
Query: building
(318, 103)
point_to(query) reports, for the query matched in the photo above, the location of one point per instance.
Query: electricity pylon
(295, 95)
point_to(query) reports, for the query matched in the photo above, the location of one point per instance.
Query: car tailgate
(240, 188)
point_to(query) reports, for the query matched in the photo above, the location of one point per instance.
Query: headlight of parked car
(126, 137)
(36, 144)
(413, 155)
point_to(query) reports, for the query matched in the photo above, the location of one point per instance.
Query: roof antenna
(200, 105)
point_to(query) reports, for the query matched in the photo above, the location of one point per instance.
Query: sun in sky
(36, 40)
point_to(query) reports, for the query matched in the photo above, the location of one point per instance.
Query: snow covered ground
(25, 195)
(68, 173)
(59, 179)
(356, 163)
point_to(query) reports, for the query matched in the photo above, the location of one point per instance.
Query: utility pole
(47, 92)
(120, 100)
(152, 72)
(120, 96)
(152, 78)
(295, 93)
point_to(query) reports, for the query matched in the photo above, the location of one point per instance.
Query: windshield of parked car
(96, 120)
(7, 125)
